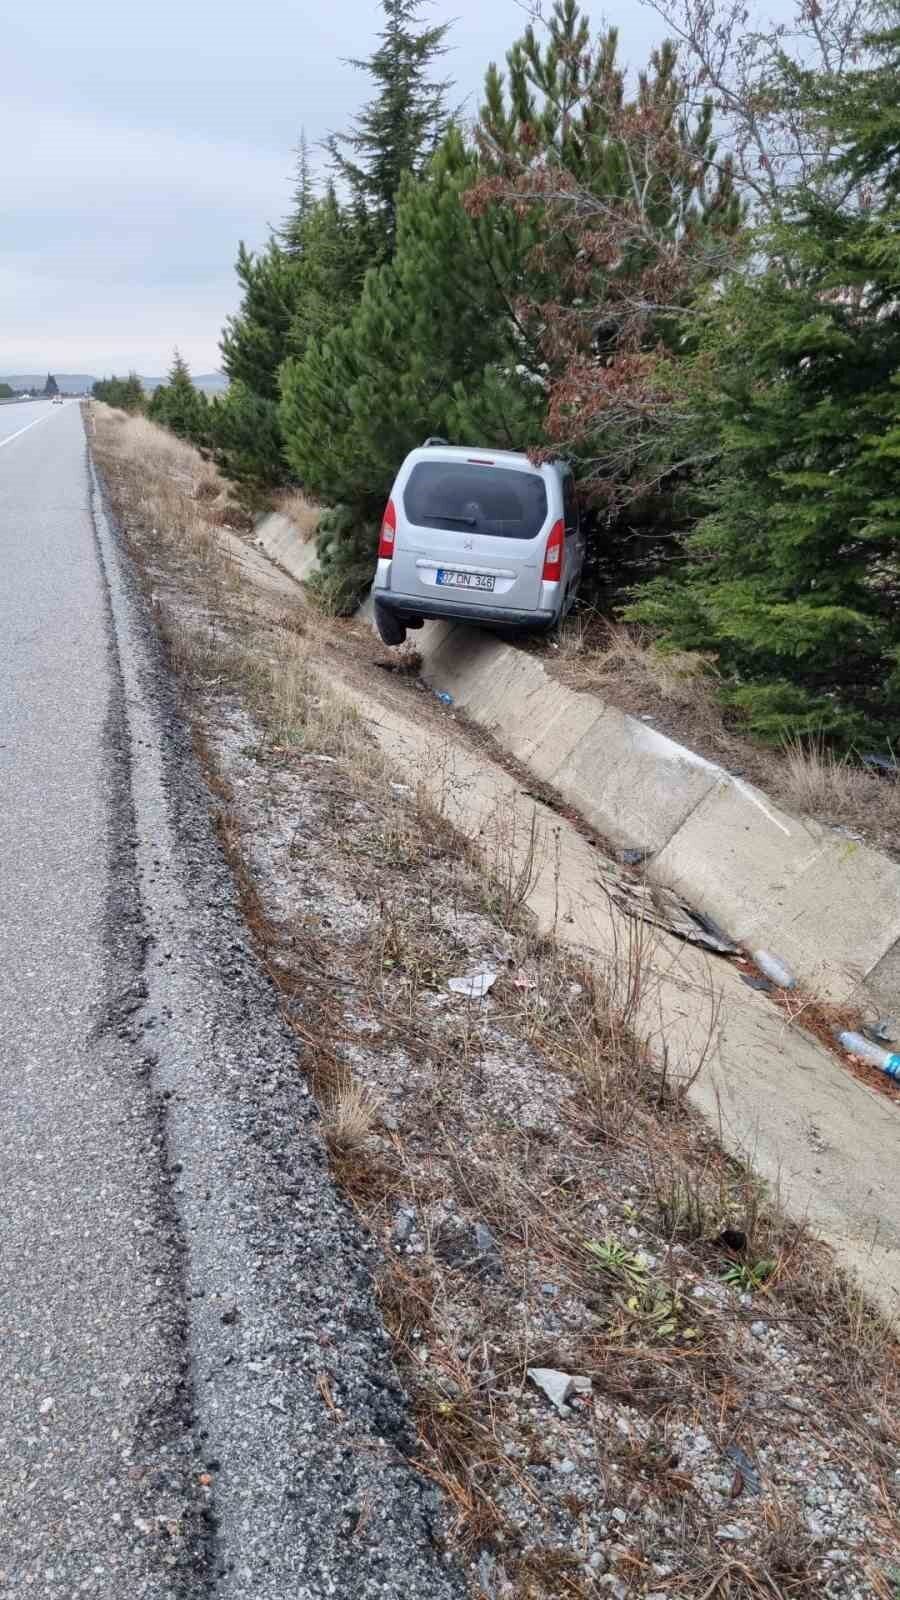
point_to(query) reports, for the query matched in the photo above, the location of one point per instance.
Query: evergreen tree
(337, 248)
(561, 96)
(51, 387)
(440, 314)
(255, 340)
(291, 233)
(245, 435)
(177, 405)
(793, 575)
(133, 397)
(402, 126)
(125, 393)
(254, 344)
(487, 324)
(634, 215)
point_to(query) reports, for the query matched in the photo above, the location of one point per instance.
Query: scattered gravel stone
(404, 1225)
(485, 1240)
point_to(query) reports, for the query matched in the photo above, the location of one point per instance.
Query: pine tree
(246, 438)
(125, 393)
(177, 405)
(255, 339)
(440, 314)
(337, 249)
(794, 572)
(254, 343)
(292, 230)
(133, 396)
(633, 214)
(51, 387)
(401, 127)
(495, 294)
(561, 95)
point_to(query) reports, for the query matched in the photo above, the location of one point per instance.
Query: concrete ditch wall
(826, 904)
(278, 537)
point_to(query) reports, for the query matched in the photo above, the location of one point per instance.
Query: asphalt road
(73, 1286)
(17, 416)
(176, 1270)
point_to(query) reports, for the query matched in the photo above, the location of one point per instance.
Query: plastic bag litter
(473, 987)
(559, 1386)
(776, 969)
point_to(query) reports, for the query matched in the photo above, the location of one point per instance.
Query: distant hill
(82, 382)
(212, 382)
(69, 382)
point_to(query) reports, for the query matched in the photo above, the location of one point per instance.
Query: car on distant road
(57, 400)
(481, 536)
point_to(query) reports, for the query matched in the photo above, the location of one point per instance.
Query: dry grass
(349, 1114)
(820, 783)
(541, 1115)
(600, 653)
(513, 852)
(301, 511)
(172, 489)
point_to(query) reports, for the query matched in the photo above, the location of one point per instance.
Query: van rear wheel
(391, 630)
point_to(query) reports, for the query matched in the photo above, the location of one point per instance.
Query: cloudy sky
(139, 143)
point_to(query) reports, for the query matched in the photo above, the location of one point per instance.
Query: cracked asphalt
(177, 1272)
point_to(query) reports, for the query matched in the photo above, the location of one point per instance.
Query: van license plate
(465, 580)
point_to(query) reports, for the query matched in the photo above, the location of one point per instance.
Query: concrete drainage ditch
(827, 906)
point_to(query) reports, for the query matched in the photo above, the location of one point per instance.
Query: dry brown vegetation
(300, 510)
(676, 691)
(541, 1192)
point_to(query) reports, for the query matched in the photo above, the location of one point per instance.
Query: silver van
(479, 536)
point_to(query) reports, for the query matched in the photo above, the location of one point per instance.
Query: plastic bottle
(875, 1054)
(774, 968)
(445, 698)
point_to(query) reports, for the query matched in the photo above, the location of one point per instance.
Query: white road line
(19, 431)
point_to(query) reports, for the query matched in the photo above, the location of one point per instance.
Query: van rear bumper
(458, 611)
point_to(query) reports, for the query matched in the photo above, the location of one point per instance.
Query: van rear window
(478, 500)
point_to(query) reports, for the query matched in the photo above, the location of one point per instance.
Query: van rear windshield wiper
(446, 516)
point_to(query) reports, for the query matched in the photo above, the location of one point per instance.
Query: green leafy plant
(654, 1309)
(748, 1277)
(616, 1260)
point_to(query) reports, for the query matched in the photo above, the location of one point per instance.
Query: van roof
(468, 452)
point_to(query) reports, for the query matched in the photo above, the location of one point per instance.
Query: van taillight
(553, 557)
(388, 532)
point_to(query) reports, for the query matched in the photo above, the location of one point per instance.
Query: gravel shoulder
(299, 1428)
